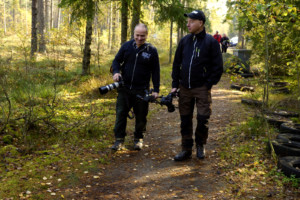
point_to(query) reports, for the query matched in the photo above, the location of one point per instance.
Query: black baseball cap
(196, 14)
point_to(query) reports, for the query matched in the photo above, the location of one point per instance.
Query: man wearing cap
(197, 67)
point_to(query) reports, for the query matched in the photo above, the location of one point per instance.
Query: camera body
(167, 101)
(107, 88)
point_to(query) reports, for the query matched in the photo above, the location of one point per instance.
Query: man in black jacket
(224, 43)
(197, 67)
(135, 63)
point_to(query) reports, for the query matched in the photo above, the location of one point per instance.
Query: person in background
(217, 36)
(224, 43)
(135, 63)
(197, 66)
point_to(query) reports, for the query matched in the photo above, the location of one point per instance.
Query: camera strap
(130, 114)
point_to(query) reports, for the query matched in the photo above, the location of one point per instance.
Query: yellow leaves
(261, 173)
(277, 11)
(276, 38)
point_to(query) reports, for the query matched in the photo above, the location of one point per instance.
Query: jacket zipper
(136, 56)
(191, 64)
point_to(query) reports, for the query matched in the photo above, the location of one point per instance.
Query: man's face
(140, 35)
(195, 26)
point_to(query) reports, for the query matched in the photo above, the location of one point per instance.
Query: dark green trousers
(126, 100)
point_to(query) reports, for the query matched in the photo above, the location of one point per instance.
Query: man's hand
(116, 77)
(155, 94)
(174, 90)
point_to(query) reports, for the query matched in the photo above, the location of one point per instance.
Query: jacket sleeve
(177, 65)
(216, 69)
(119, 59)
(156, 72)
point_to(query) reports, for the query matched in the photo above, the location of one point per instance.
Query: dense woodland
(55, 54)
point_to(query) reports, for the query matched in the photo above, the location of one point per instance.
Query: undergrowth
(247, 163)
(55, 128)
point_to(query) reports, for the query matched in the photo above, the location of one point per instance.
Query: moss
(9, 150)
(7, 139)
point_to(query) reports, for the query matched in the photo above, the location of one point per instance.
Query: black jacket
(137, 65)
(198, 61)
(224, 41)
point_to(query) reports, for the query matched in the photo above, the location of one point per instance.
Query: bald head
(140, 34)
(141, 26)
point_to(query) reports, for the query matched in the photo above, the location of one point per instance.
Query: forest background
(55, 54)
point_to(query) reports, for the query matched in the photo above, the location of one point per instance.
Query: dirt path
(153, 174)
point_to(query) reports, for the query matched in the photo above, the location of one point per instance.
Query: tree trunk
(113, 26)
(33, 28)
(41, 27)
(109, 26)
(178, 34)
(181, 33)
(58, 17)
(4, 17)
(87, 48)
(124, 26)
(171, 34)
(136, 12)
(47, 16)
(241, 38)
(26, 24)
(51, 15)
(14, 15)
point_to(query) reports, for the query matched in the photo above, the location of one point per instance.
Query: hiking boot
(138, 144)
(184, 155)
(119, 145)
(200, 151)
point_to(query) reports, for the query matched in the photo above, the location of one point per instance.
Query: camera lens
(103, 90)
(171, 108)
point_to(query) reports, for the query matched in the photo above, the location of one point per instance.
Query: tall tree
(33, 27)
(51, 14)
(124, 16)
(168, 12)
(84, 9)
(136, 14)
(41, 27)
(109, 19)
(113, 26)
(47, 24)
(4, 17)
(58, 17)
(87, 48)
(171, 41)
(26, 24)
(15, 11)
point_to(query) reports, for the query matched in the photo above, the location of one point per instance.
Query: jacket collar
(201, 34)
(135, 46)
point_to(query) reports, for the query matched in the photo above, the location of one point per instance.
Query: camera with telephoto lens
(107, 88)
(167, 101)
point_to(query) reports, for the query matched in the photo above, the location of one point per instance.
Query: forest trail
(153, 174)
